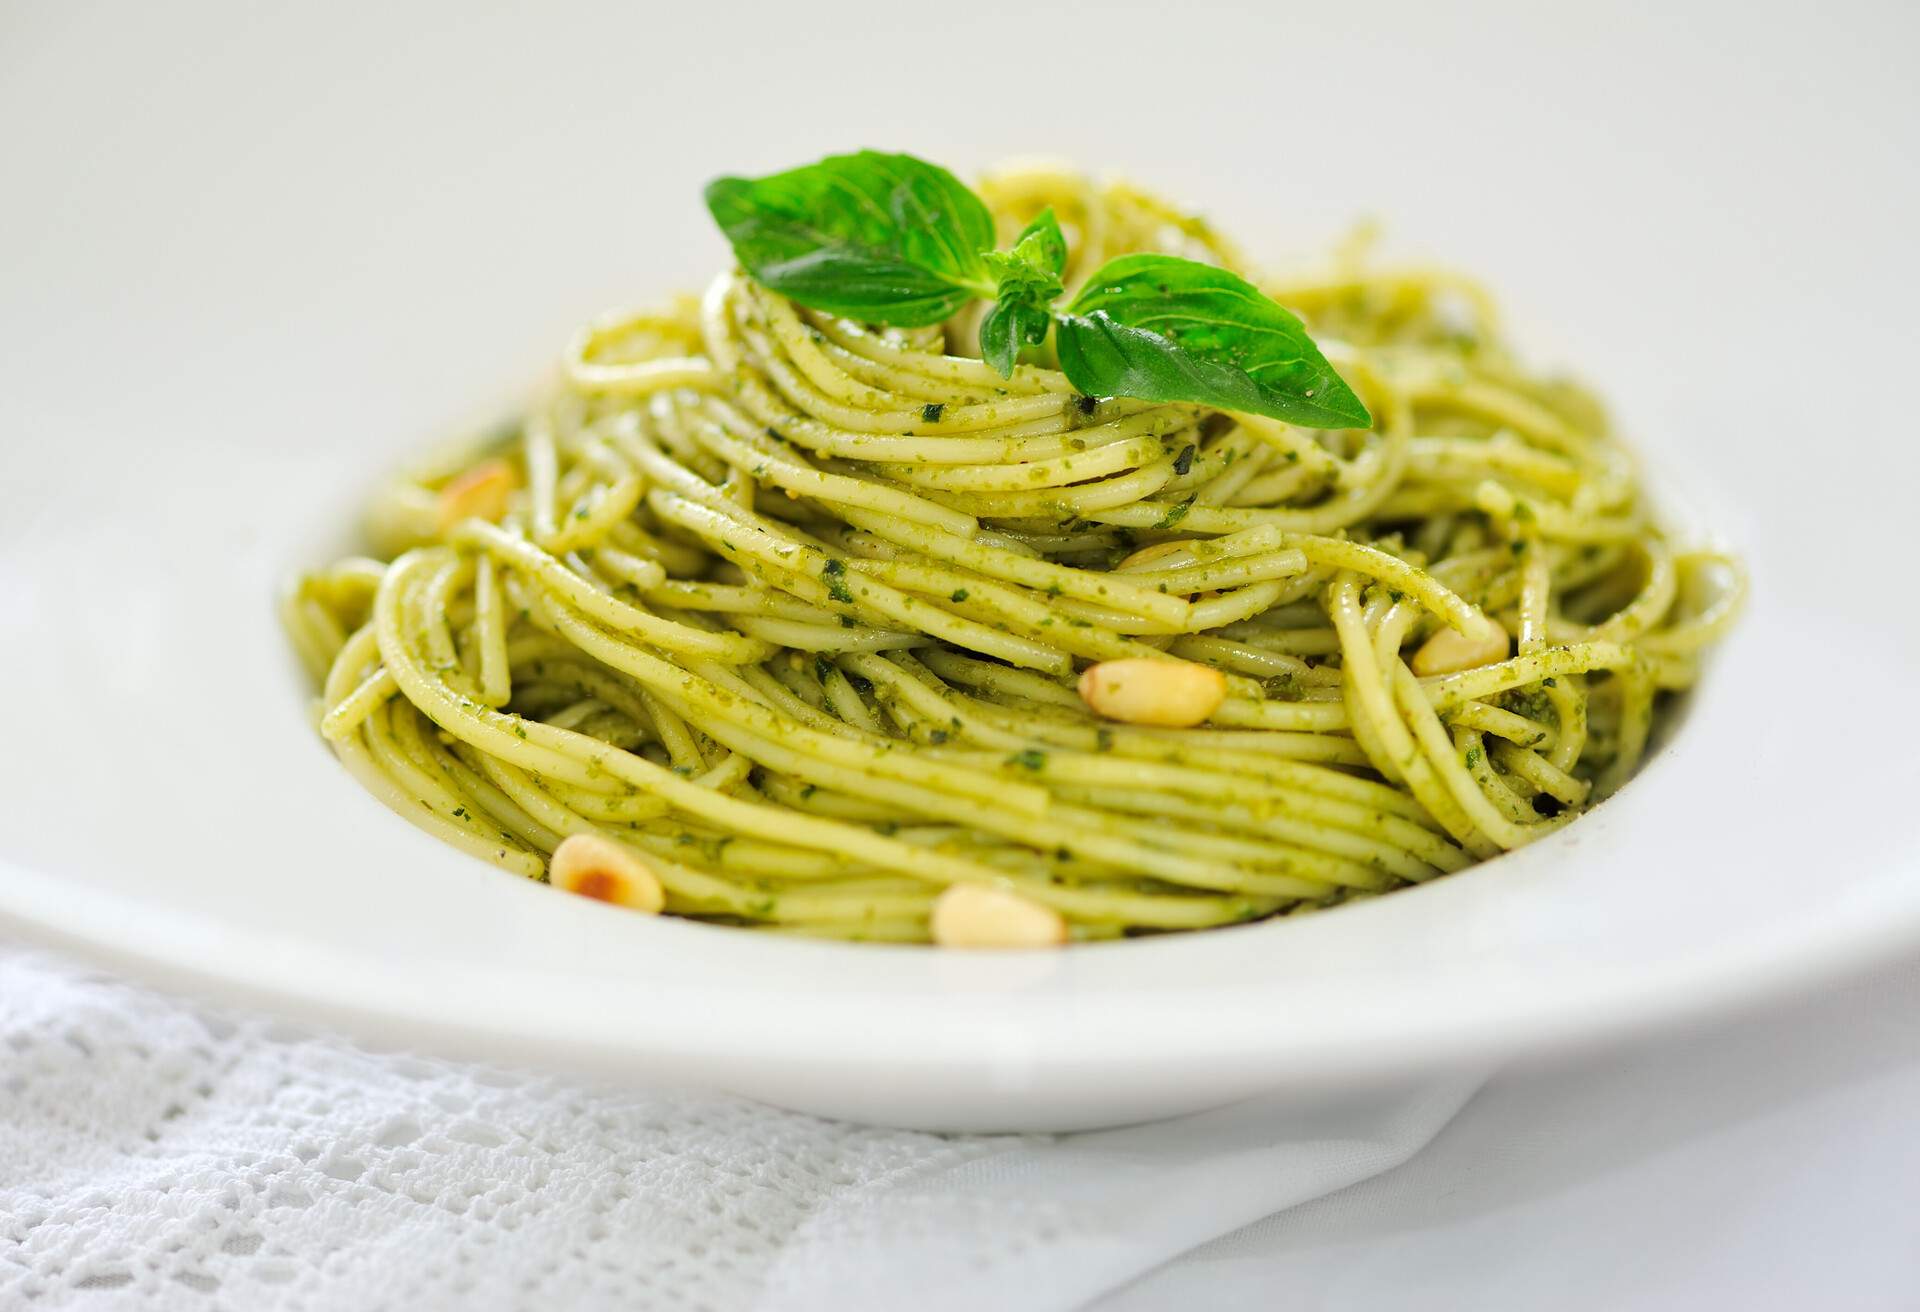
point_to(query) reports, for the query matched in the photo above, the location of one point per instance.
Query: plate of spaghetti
(972, 647)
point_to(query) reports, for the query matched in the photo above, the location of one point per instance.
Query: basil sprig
(1027, 281)
(893, 239)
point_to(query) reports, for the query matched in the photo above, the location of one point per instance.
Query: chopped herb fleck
(958, 594)
(1174, 516)
(1183, 463)
(1029, 759)
(1087, 404)
(834, 573)
(931, 412)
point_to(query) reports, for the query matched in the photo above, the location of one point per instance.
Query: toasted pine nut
(1447, 651)
(1176, 694)
(980, 916)
(480, 492)
(600, 868)
(1147, 555)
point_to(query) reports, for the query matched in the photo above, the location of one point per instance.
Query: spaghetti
(796, 614)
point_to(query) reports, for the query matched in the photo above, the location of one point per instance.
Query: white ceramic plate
(250, 261)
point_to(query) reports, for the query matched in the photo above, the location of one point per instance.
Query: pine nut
(600, 868)
(979, 916)
(480, 492)
(1174, 694)
(1447, 651)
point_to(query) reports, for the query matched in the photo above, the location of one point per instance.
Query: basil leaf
(883, 238)
(1165, 329)
(1010, 325)
(1028, 278)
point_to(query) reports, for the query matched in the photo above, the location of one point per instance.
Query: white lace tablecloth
(157, 1154)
